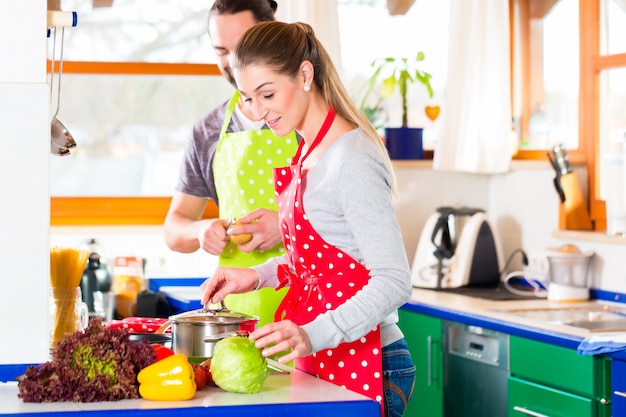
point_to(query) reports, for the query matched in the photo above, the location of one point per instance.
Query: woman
(346, 266)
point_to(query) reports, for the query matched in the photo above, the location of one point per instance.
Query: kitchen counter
(492, 315)
(286, 393)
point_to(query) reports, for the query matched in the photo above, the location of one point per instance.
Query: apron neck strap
(330, 116)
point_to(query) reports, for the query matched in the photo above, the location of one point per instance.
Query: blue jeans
(398, 378)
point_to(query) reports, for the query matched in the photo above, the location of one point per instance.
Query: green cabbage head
(238, 366)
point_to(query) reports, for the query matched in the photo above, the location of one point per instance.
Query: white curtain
(322, 15)
(475, 134)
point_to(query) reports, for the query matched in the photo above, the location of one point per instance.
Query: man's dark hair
(263, 10)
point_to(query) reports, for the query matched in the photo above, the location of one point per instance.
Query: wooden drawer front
(560, 367)
(530, 399)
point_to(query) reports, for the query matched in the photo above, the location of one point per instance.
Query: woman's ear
(307, 72)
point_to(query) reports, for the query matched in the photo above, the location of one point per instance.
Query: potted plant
(402, 142)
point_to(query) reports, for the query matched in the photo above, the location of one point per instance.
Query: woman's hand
(228, 281)
(263, 225)
(284, 335)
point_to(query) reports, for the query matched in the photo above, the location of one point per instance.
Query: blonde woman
(345, 263)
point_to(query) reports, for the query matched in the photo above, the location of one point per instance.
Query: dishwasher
(476, 369)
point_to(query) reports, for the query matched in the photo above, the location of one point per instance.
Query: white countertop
(290, 387)
(493, 311)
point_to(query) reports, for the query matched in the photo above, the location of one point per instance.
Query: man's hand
(212, 235)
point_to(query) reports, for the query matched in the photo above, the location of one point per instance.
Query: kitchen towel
(595, 345)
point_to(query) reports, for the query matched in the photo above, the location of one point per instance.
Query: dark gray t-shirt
(196, 171)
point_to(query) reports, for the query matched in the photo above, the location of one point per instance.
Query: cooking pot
(194, 333)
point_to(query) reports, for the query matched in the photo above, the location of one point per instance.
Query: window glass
(612, 126)
(139, 30)
(368, 32)
(613, 27)
(553, 74)
(131, 131)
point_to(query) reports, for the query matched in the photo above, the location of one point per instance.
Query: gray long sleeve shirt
(347, 198)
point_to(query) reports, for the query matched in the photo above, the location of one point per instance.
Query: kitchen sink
(595, 318)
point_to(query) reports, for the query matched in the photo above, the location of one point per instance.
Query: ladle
(61, 140)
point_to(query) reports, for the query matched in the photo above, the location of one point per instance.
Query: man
(229, 159)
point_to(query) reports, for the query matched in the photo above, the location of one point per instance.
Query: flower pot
(404, 142)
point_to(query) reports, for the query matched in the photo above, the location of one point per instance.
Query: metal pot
(194, 333)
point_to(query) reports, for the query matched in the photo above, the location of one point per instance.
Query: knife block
(573, 213)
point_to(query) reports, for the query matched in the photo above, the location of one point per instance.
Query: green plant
(395, 72)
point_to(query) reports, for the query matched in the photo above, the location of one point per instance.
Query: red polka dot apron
(321, 278)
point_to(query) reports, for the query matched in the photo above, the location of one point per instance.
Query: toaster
(457, 248)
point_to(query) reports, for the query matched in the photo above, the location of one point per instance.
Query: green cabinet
(423, 335)
(549, 380)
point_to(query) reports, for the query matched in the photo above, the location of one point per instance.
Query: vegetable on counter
(161, 351)
(99, 364)
(170, 379)
(238, 366)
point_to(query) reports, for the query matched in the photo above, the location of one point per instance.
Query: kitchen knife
(557, 178)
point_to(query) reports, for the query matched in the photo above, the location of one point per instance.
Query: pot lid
(211, 316)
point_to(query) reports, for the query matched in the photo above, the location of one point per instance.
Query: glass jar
(68, 313)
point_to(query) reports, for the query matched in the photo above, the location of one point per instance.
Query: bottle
(127, 283)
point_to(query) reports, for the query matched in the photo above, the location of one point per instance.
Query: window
(579, 102)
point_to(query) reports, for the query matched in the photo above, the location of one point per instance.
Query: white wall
(24, 207)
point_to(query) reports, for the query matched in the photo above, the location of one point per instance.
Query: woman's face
(278, 100)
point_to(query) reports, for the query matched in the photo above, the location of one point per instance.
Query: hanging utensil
(61, 140)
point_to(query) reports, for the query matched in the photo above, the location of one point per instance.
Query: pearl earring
(307, 88)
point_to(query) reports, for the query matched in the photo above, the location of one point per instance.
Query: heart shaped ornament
(432, 112)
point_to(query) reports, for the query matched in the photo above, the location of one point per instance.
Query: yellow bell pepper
(170, 379)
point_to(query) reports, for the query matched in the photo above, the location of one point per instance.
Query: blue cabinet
(619, 387)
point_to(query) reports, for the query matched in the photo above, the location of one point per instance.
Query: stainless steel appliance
(476, 368)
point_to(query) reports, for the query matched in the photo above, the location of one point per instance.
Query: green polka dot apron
(320, 278)
(243, 166)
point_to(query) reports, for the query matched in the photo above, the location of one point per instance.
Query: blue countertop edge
(312, 409)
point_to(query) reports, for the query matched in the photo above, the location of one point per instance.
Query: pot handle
(164, 327)
(220, 336)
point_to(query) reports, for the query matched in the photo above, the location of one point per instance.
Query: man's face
(225, 31)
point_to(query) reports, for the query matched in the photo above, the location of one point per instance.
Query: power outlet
(538, 267)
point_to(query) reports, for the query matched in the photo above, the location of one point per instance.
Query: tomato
(206, 365)
(161, 351)
(200, 377)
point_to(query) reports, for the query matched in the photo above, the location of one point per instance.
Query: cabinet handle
(429, 359)
(620, 393)
(526, 411)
